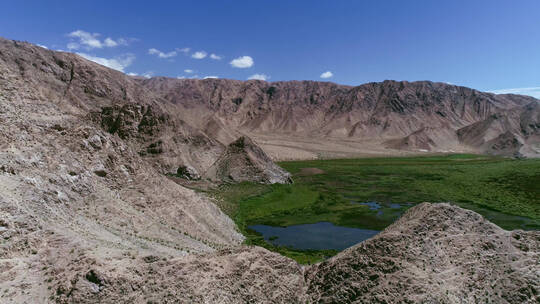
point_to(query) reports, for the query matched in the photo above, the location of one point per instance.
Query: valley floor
(339, 191)
(285, 147)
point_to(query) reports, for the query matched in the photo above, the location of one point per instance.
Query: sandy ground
(289, 147)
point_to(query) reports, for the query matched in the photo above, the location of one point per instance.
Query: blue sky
(487, 45)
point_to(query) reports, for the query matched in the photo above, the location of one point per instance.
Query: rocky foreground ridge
(88, 214)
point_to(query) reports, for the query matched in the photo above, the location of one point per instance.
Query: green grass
(504, 190)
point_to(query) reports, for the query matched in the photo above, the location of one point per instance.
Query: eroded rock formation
(242, 161)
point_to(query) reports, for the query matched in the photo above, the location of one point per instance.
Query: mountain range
(387, 117)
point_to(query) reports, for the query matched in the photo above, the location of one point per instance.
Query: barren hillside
(70, 189)
(374, 118)
(88, 215)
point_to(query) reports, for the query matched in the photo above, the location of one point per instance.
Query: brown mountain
(395, 115)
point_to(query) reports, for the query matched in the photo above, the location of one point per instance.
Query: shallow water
(325, 235)
(503, 220)
(395, 206)
(383, 208)
(371, 205)
(319, 236)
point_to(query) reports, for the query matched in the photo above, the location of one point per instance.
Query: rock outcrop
(242, 161)
(162, 139)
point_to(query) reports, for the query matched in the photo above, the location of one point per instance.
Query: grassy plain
(504, 190)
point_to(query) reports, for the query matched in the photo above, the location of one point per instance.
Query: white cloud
(109, 42)
(533, 91)
(216, 57)
(210, 77)
(180, 77)
(161, 54)
(132, 74)
(148, 74)
(242, 62)
(85, 38)
(41, 45)
(199, 55)
(327, 74)
(73, 46)
(118, 63)
(259, 77)
(91, 41)
(189, 71)
(183, 50)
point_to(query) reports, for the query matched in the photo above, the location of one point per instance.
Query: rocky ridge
(435, 253)
(243, 161)
(73, 191)
(378, 118)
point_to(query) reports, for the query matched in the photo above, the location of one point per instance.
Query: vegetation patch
(504, 190)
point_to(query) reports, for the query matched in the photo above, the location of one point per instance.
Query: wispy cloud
(161, 54)
(118, 63)
(327, 74)
(73, 46)
(132, 74)
(533, 91)
(88, 41)
(259, 77)
(216, 57)
(183, 50)
(189, 71)
(242, 62)
(108, 42)
(199, 55)
(148, 74)
(43, 46)
(194, 77)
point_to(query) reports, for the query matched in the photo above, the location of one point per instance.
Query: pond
(388, 209)
(325, 235)
(503, 220)
(318, 236)
(373, 205)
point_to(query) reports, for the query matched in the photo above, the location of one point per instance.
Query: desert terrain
(91, 210)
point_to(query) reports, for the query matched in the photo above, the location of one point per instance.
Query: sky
(487, 45)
